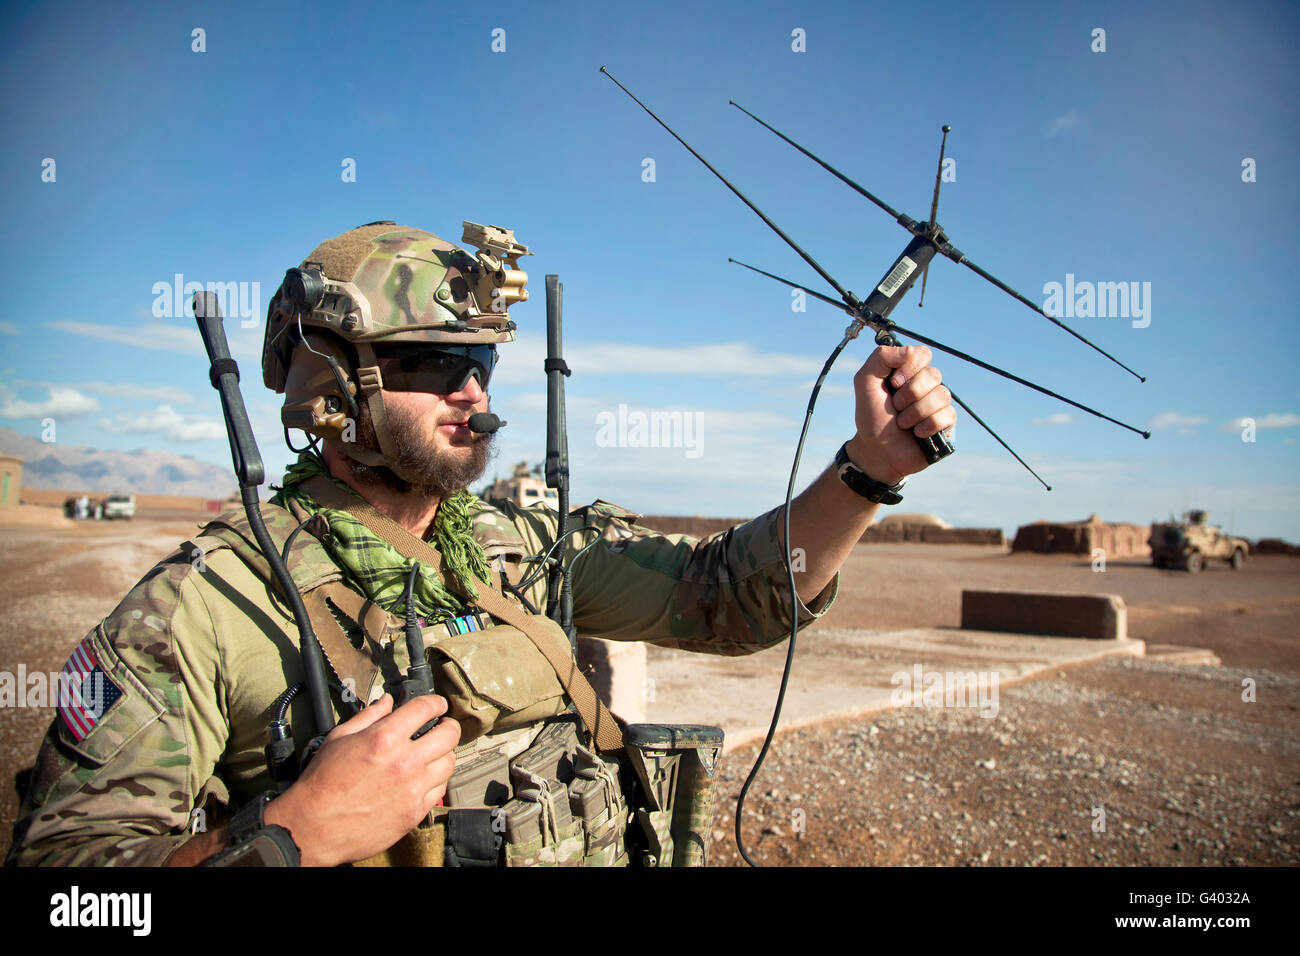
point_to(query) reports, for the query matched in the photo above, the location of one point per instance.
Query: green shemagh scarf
(378, 568)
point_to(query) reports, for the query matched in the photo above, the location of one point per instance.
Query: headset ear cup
(320, 395)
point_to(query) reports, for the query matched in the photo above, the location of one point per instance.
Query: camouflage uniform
(200, 650)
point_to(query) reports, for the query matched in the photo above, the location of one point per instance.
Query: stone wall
(926, 534)
(1083, 537)
(1274, 546)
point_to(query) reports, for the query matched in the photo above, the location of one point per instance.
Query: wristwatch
(255, 843)
(864, 484)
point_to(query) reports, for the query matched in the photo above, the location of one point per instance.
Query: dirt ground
(1123, 761)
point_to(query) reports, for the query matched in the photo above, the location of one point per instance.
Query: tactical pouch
(422, 846)
(494, 680)
(675, 766)
(540, 828)
(596, 799)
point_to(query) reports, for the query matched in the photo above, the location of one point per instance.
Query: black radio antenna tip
(947, 129)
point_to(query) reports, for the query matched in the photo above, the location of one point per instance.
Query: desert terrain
(1184, 771)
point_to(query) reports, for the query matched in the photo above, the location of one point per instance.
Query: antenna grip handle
(937, 446)
(889, 291)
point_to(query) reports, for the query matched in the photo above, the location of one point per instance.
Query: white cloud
(178, 336)
(717, 359)
(1176, 420)
(1062, 124)
(167, 421)
(156, 393)
(154, 335)
(1060, 418)
(1271, 420)
(8, 328)
(828, 388)
(61, 403)
(521, 361)
(1275, 420)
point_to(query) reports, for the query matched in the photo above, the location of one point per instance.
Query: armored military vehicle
(524, 488)
(1189, 543)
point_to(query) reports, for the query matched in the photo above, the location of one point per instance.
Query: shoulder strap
(606, 731)
(309, 563)
(361, 666)
(318, 581)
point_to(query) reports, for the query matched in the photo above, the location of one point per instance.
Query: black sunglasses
(441, 369)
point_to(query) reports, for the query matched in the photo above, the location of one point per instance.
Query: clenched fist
(884, 446)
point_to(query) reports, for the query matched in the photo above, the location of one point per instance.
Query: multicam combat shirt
(199, 650)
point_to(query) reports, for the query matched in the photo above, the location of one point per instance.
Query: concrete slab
(839, 673)
(1178, 654)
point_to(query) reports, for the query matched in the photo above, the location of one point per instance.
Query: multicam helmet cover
(387, 284)
(381, 284)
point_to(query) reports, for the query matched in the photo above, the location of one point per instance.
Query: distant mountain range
(141, 472)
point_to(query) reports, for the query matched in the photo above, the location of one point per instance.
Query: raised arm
(829, 518)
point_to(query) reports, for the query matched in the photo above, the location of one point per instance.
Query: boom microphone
(485, 422)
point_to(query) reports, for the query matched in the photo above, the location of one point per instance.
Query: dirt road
(1121, 761)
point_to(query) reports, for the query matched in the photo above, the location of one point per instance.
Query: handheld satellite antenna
(928, 240)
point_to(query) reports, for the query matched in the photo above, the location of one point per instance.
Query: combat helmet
(379, 285)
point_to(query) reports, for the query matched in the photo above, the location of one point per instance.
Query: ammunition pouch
(559, 803)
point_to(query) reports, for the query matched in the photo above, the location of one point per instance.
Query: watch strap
(862, 483)
(253, 842)
(249, 818)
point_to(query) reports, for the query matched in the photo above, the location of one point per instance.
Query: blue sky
(1115, 166)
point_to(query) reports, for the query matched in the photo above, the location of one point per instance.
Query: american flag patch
(86, 692)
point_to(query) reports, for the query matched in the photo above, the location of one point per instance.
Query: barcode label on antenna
(903, 268)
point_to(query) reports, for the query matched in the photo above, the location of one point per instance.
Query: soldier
(384, 342)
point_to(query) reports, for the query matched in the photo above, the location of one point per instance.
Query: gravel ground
(1125, 761)
(1168, 758)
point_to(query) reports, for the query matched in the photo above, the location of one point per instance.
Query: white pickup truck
(119, 506)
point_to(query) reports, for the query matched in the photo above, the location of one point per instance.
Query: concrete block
(1177, 654)
(617, 671)
(1098, 616)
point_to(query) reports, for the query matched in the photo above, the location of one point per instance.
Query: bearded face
(428, 462)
